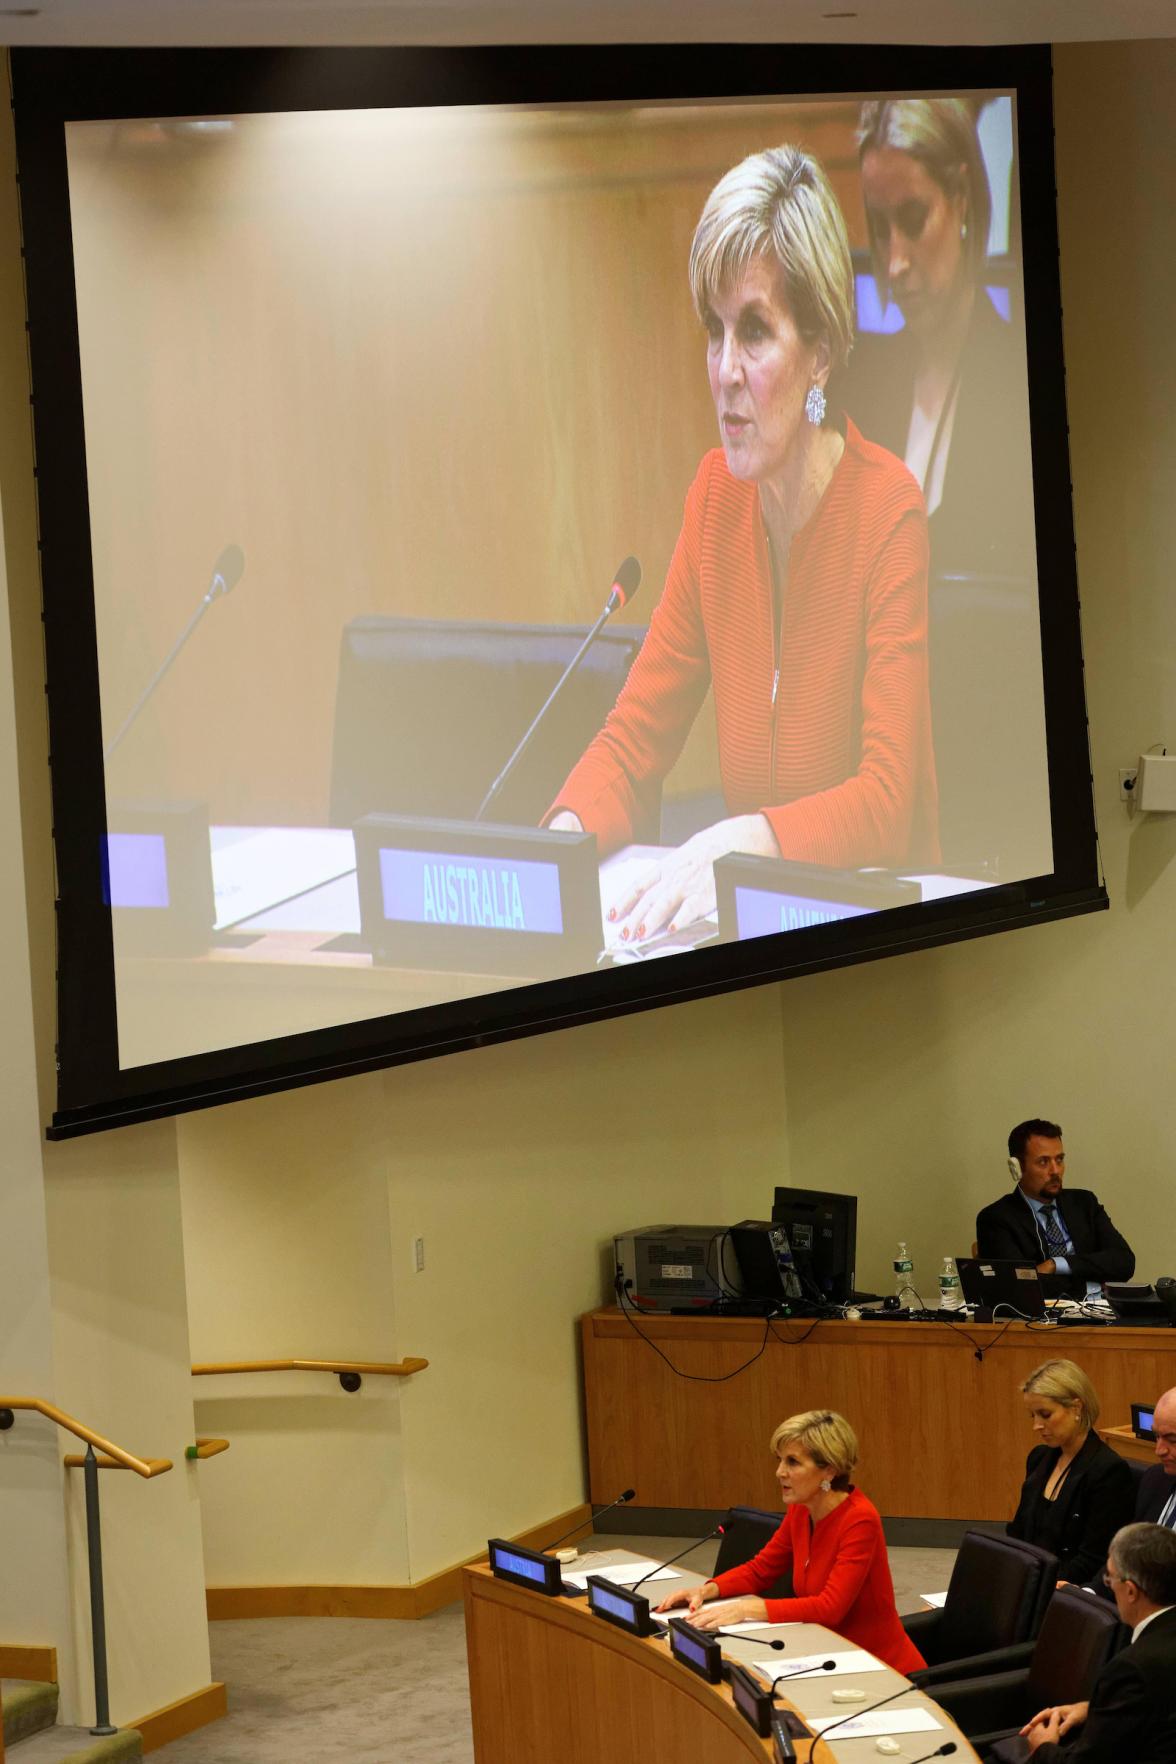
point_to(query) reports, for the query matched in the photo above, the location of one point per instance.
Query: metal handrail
(350, 1373)
(116, 1458)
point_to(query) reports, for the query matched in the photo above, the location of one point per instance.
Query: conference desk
(943, 1434)
(552, 1684)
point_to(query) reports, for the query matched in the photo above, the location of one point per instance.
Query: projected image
(434, 381)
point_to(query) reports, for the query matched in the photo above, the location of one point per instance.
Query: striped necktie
(1056, 1241)
(1168, 1516)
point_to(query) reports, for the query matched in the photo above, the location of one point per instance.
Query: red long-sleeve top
(840, 1575)
(824, 724)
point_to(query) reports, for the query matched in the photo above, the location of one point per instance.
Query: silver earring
(826, 1485)
(814, 405)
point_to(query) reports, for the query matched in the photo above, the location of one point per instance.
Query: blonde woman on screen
(797, 589)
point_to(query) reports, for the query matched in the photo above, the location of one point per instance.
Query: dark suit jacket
(1151, 1494)
(1132, 1716)
(1096, 1498)
(1007, 1231)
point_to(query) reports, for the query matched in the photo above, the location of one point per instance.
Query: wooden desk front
(943, 1433)
(551, 1684)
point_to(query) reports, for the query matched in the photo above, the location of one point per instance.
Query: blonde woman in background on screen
(948, 392)
(797, 589)
(1077, 1490)
(831, 1539)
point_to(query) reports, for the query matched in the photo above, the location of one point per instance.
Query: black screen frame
(52, 87)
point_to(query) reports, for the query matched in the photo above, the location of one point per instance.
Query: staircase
(32, 1736)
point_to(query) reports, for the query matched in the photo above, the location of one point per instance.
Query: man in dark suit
(1131, 1715)
(1071, 1240)
(1155, 1498)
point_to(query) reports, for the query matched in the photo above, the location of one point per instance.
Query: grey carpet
(373, 1691)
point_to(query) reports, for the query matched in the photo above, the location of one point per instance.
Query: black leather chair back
(997, 1591)
(428, 711)
(745, 1532)
(1079, 1634)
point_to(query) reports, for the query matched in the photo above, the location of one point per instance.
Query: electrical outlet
(1126, 783)
(418, 1255)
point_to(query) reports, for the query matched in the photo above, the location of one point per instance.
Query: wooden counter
(551, 1684)
(936, 1406)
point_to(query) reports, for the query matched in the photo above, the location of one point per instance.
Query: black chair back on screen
(745, 1532)
(428, 711)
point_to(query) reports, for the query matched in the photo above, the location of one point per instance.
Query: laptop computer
(1012, 1288)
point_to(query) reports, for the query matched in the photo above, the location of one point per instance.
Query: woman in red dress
(831, 1538)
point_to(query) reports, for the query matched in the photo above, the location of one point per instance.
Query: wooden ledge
(365, 1368)
(206, 1448)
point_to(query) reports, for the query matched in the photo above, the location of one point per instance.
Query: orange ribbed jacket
(836, 752)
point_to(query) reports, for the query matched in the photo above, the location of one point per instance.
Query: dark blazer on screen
(1096, 1498)
(1132, 1717)
(1007, 1231)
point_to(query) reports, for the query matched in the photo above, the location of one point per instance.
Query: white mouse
(849, 1694)
(568, 1555)
(888, 1745)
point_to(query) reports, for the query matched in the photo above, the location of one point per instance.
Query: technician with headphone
(1071, 1241)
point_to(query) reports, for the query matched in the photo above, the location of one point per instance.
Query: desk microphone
(696, 1545)
(825, 1666)
(625, 584)
(599, 1514)
(226, 573)
(943, 1751)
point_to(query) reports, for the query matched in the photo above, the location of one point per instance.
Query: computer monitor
(822, 1229)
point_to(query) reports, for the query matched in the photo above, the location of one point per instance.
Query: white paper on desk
(875, 1725)
(273, 864)
(936, 1599)
(852, 1660)
(623, 1574)
(727, 1628)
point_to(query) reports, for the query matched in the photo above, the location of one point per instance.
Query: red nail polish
(625, 932)
(612, 913)
(641, 930)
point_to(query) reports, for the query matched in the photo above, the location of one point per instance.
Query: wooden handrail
(388, 1369)
(114, 1454)
(206, 1448)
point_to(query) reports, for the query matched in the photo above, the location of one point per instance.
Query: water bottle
(951, 1297)
(904, 1279)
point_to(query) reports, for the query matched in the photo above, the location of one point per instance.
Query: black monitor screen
(822, 1229)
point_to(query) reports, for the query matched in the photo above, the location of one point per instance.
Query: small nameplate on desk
(1143, 1420)
(616, 1604)
(525, 1567)
(478, 897)
(760, 897)
(754, 1703)
(156, 877)
(694, 1648)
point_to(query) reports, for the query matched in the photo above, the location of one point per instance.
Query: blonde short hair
(941, 134)
(1061, 1381)
(779, 205)
(827, 1437)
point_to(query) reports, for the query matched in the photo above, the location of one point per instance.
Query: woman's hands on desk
(726, 1612)
(680, 888)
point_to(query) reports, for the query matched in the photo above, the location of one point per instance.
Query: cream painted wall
(286, 1224)
(903, 1078)
(517, 1165)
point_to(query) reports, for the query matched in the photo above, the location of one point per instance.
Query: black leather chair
(997, 1597)
(1078, 1636)
(745, 1532)
(428, 711)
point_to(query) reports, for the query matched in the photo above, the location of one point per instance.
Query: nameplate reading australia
(478, 897)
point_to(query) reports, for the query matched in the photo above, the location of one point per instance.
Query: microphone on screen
(599, 1514)
(226, 573)
(696, 1545)
(625, 584)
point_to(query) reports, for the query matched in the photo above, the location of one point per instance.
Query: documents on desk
(875, 1725)
(851, 1660)
(621, 1573)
